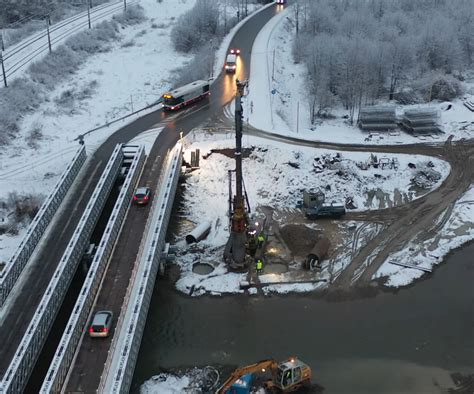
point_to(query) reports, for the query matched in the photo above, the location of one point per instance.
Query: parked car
(142, 196)
(101, 324)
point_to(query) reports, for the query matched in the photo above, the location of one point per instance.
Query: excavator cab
(291, 375)
(288, 376)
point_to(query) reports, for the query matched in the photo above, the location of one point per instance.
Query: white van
(231, 63)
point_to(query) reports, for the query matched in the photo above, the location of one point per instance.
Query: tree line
(359, 52)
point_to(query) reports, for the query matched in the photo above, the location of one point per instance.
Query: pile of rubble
(326, 161)
(382, 163)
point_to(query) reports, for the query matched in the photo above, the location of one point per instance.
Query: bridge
(48, 294)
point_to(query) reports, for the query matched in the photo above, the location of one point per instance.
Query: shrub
(34, 136)
(22, 96)
(63, 61)
(198, 67)
(437, 86)
(94, 40)
(133, 15)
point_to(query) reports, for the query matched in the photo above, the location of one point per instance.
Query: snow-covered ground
(277, 99)
(133, 74)
(273, 104)
(121, 84)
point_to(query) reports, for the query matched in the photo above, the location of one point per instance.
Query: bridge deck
(18, 311)
(91, 356)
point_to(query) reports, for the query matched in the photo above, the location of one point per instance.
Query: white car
(101, 324)
(231, 63)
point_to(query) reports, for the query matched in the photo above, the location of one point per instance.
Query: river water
(408, 341)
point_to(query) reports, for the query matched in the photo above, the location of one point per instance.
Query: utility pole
(48, 22)
(211, 72)
(3, 70)
(234, 252)
(89, 13)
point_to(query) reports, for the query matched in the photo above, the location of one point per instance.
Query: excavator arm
(261, 366)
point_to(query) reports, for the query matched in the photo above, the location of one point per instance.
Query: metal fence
(18, 261)
(19, 370)
(63, 357)
(120, 365)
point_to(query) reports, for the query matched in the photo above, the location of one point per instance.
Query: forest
(365, 52)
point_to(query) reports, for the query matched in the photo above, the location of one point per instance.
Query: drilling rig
(235, 249)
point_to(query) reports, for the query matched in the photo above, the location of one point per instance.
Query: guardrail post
(3, 69)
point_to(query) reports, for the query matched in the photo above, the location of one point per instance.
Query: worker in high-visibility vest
(261, 240)
(259, 266)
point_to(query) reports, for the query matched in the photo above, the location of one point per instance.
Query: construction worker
(259, 266)
(261, 240)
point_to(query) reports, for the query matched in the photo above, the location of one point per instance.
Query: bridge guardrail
(66, 349)
(20, 367)
(120, 365)
(12, 271)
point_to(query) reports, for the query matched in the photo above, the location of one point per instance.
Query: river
(407, 341)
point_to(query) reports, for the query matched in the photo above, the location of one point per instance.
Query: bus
(185, 95)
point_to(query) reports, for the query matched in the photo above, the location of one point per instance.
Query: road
(426, 209)
(91, 357)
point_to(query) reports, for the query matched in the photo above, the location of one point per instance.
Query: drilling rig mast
(234, 253)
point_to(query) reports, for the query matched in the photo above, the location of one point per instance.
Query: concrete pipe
(199, 233)
(317, 254)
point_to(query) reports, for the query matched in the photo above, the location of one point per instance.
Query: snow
(122, 84)
(165, 383)
(271, 105)
(133, 76)
(286, 112)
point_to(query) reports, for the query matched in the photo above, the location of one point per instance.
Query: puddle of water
(275, 268)
(202, 268)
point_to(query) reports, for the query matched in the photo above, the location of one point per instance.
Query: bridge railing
(19, 370)
(120, 365)
(65, 351)
(16, 264)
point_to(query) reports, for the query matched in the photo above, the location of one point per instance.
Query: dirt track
(418, 220)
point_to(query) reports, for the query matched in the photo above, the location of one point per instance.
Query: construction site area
(311, 218)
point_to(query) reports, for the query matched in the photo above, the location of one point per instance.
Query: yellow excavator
(287, 376)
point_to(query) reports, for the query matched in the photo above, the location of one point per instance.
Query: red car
(142, 196)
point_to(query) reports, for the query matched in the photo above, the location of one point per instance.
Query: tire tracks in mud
(420, 219)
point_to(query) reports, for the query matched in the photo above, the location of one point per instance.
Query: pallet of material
(469, 105)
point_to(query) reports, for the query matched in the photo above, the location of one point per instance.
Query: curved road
(401, 229)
